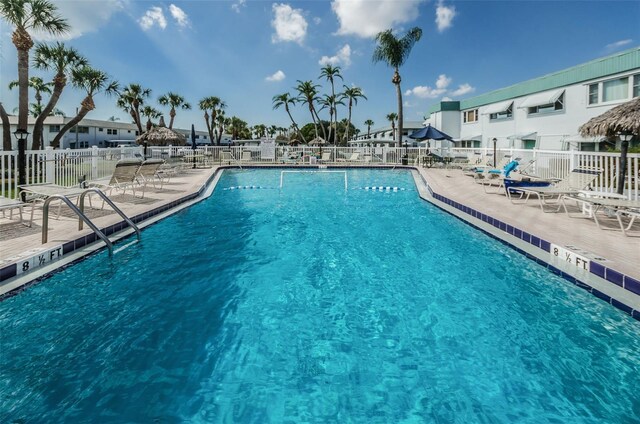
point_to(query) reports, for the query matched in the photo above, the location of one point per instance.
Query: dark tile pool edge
(10, 271)
(598, 270)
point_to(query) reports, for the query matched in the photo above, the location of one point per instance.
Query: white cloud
(179, 15)
(425, 92)
(153, 16)
(278, 76)
(317, 20)
(343, 57)
(443, 81)
(446, 99)
(619, 44)
(462, 90)
(83, 17)
(236, 7)
(288, 23)
(444, 16)
(366, 18)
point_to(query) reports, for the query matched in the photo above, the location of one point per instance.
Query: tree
(215, 105)
(6, 129)
(175, 101)
(25, 15)
(369, 123)
(38, 85)
(394, 52)
(331, 102)
(62, 60)
(285, 100)
(150, 113)
(92, 81)
(309, 95)
(353, 94)
(131, 99)
(221, 123)
(330, 73)
(392, 117)
(260, 130)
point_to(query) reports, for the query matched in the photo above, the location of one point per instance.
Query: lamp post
(21, 136)
(625, 138)
(495, 141)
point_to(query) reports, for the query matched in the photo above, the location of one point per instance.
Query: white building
(93, 132)
(544, 112)
(384, 135)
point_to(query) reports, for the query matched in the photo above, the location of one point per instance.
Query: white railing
(68, 167)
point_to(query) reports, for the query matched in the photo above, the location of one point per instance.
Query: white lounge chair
(326, 157)
(246, 156)
(149, 172)
(11, 204)
(123, 178)
(353, 158)
(617, 207)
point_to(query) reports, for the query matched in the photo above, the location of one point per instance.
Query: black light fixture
(625, 138)
(21, 136)
(495, 141)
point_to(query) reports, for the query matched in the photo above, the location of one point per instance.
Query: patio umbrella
(622, 121)
(161, 136)
(318, 141)
(193, 144)
(429, 133)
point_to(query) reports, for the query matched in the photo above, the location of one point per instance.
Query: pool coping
(617, 289)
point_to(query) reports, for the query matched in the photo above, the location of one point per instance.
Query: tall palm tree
(92, 81)
(330, 102)
(213, 104)
(38, 85)
(353, 94)
(130, 99)
(61, 59)
(394, 52)
(6, 129)
(174, 100)
(150, 113)
(369, 123)
(220, 125)
(392, 117)
(330, 73)
(26, 15)
(309, 95)
(285, 100)
(260, 130)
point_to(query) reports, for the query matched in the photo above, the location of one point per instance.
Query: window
(129, 131)
(470, 115)
(593, 94)
(551, 107)
(99, 129)
(616, 89)
(636, 86)
(81, 130)
(54, 128)
(502, 115)
(112, 131)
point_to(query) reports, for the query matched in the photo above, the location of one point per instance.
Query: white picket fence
(68, 167)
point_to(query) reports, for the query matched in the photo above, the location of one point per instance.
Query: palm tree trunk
(209, 129)
(400, 118)
(313, 117)
(87, 106)
(23, 42)
(324, 131)
(172, 114)
(346, 131)
(295, 125)
(59, 82)
(6, 129)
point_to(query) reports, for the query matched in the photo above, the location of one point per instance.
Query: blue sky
(246, 51)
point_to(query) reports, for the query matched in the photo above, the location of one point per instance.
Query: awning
(473, 138)
(524, 136)
(577, 138)
(540, 99)
(497, 108)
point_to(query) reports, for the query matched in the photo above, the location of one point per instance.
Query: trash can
(405, 160)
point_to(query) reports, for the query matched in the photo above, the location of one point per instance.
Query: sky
(247, 51)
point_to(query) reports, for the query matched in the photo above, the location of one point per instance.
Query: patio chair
(149, 171)
(495, 178)
(353, 158)
(326, 157)
(123, 177)
(577, 180)
(615, 206)
(11, 204)
(291, 157)
(246, 156)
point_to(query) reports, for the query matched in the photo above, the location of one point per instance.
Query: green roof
(598, 68)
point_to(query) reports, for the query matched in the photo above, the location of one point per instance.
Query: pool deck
(621, 252)
(19, 243)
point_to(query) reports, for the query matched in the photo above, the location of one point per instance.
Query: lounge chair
(353, 158)
(617, 207)
(291, 157)
(11, 204)
(246, 156)
(495, 178)
(149, 171)
(326, 157)
(123, 178)
(577, 180)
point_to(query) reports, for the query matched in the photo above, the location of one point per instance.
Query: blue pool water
(312, 304)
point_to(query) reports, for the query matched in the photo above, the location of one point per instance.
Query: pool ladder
(82, 218)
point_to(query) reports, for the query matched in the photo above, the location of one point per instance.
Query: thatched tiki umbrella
(622, 121)
(161, 136)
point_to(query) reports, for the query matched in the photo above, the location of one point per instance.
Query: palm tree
(331, 101)
(353, 94)
(131, 99)
(330, 73)
(174, 100)
(394, 52)
(25, 15)
(6, 129)
(220, 124)
(260, 130)
(309, 95)
(62, 60)
(285, 100)
(215, 105)
(369, 123)
(150, 113)
(392, 117)
(38, 85)
(92, 81)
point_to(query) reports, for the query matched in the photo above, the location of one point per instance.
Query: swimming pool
(315, 304)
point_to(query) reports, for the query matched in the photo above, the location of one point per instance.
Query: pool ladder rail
(82, 218)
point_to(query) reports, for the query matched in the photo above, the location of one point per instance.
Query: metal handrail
(82, 217)
(110, 203)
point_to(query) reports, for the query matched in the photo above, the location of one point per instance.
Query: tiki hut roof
(317, 141)
(162, 136)
(620, 119)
